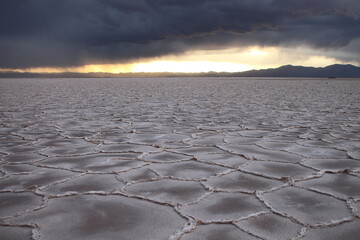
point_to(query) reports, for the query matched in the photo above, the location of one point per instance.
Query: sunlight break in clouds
(225, 60)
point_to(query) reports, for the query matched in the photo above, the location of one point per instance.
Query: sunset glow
(226, 60)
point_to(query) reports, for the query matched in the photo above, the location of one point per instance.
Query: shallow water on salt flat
(179, 158)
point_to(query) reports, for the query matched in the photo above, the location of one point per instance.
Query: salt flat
(180, 158)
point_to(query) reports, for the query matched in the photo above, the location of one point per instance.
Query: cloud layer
(70, 33)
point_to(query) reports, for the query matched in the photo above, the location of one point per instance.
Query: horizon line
(4, 71)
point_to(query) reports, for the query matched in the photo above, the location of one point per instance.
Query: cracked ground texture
(179, 159)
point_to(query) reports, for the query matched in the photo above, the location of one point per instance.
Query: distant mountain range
(332, 71)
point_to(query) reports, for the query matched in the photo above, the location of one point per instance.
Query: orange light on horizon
(151, 66)
(94, 68)
(224, 60)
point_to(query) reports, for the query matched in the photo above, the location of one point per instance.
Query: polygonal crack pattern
(217, 231)
(179, 159)
(104, 217)
(224, 207)
(306, 206)
(270, 226)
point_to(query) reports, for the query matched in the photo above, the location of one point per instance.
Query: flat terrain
(217, 158)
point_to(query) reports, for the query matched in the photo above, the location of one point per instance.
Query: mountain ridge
(331, 71)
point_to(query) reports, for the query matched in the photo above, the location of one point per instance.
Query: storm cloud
(36, 33)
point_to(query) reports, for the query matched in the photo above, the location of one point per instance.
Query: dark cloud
(68, 32)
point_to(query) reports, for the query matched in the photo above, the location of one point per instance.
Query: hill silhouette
(332, 71)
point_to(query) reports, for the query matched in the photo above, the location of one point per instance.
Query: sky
(176, 35)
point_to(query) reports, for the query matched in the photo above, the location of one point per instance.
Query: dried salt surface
(206, 139)
(271, 226)
(165, 157)
(342, 185)
(87, 183)
(14, 203)
(138, 175)
(18, 168)
(224, 207)
(103, 217)
(59, 142)
(354, 154)
(224, 159)
(317, 152)
(172, 191)
(110, 137)
(188, 170)
(356, 208)
(156, 137)
(332, 164)
(94, 162)
(348, 231)
(218, 231)
(198, 151)
(238, 181)
(279, 169)
(9, 140)
(240, 140)
(23, 158)
(25, 149)
(15, 233)
(68, 151)
(38, 177)
(306, 206)
(115, 148)
(258, 153)
(179, 159)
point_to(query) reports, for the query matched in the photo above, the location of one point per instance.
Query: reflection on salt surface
(15, 233)
(103, 217)
(307, 206)
(179, 158)
(270, 226)
(224, 206)
(173, 191)
(218, 231)
(239, 181)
